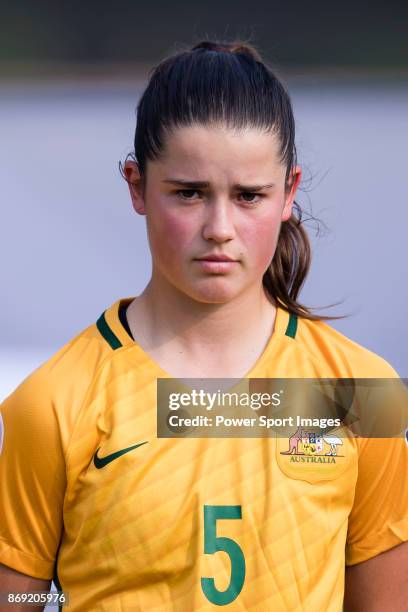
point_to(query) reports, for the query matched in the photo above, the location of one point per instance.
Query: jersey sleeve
(379, 517)
(32, 478)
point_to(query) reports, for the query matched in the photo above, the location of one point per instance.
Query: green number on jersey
(212, 544)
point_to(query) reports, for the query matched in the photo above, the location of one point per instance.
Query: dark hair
(229, 83)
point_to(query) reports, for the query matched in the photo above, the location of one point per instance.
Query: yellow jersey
(124, 520)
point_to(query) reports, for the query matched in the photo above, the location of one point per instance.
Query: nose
(219, 223)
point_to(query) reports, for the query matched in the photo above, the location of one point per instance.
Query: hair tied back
(233, 47)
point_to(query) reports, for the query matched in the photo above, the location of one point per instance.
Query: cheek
(260, 238)
(170, 234)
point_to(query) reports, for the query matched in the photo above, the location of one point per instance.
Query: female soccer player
(122, 519)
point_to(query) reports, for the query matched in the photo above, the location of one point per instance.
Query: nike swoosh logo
(100, 462)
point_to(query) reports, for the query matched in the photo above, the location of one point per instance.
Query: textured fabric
(130, 535)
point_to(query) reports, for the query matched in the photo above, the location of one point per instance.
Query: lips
(216, 264)
(215, 258)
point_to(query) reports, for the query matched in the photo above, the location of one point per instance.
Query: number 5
(212, 544)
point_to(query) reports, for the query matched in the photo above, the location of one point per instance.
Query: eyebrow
(206, 185)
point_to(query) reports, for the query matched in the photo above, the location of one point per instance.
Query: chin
(212, 299)
(213, 291)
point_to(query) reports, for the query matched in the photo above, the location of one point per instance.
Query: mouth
(216, 258)
(216, 264)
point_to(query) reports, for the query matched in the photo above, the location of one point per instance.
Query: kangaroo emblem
(293, 442)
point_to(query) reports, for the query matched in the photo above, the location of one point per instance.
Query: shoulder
(50, 398)
(71, 366)
(343, 356)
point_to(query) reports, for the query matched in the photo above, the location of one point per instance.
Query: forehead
(205, 151)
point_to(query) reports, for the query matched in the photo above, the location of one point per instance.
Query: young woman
(125, 520)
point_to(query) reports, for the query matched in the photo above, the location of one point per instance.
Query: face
(214, 203)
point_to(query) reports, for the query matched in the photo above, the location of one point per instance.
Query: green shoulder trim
(292, 326)
(107, 333)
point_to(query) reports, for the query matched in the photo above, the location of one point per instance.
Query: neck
(164, 314)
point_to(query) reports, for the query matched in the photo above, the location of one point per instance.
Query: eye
(187, 194)
(250, 198)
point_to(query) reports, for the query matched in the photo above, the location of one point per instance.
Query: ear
(136, 186)
(290, 193)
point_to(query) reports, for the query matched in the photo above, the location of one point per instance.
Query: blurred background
(70, 77)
